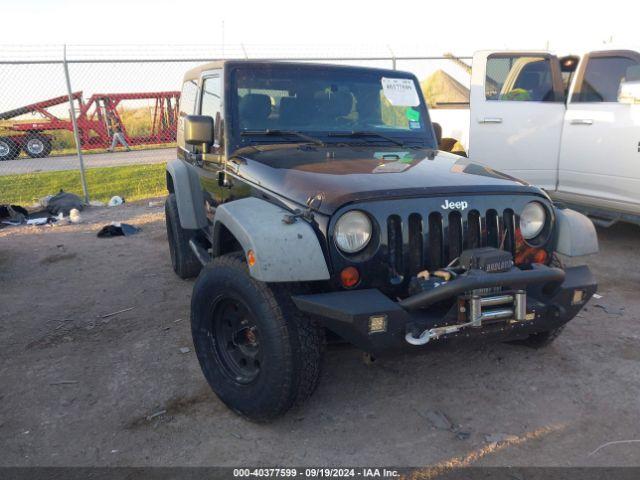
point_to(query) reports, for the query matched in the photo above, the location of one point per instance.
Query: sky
(449, 25)
(194, 28)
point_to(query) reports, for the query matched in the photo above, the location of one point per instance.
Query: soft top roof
(195, 73)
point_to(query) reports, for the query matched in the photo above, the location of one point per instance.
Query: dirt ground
(81, 389)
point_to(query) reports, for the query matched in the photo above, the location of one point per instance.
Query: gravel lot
(81, 389)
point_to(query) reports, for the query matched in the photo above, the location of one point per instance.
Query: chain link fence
(124, 101)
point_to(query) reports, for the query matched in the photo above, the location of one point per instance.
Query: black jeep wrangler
(312, 202)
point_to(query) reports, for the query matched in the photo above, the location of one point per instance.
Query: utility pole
(222, 39)
(76, 134)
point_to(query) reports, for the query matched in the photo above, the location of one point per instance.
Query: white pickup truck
(570, 125)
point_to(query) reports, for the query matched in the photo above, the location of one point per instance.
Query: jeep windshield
(286, 103)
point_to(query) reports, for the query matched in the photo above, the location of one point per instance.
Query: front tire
(183, 260)
(257, 352)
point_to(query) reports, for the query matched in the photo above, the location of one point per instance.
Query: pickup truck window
(519, 78)
(320, 102)
(602, 78)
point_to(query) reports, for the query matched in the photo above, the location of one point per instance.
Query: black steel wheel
(236, 339)
(257, 352)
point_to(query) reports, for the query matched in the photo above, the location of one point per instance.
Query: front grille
(418, 242)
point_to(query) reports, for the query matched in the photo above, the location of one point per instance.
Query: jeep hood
(346, 174)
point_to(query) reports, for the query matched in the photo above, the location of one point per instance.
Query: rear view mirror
(630, 88)
(198, 130)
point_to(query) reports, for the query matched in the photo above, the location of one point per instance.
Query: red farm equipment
(97, 118)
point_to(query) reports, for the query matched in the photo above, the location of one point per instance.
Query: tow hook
(434, 333)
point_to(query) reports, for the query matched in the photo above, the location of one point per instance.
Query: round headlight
(532, 220)
(353, 231)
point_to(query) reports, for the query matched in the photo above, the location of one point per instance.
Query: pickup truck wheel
(8, 149)
(257, 352)
(183, 260)
(37, 146)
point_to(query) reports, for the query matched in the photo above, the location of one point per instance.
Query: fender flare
(283, 252)
(575, 234)
(186, 186)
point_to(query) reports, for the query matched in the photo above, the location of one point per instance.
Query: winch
(480, 306)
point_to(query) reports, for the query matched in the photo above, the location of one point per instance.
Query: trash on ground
(74, 216)
(116, 313)
(500, 437)
(44, 201)
(63, 203)
(438, 419)
(156, 414)
(158, 203)
(615, 442)
(40, 221)
(611, 310)
(117, 229)
(13, 214)
(185, 350)
(65, 382)
(597, 296)
(12, 222)
(115, 201)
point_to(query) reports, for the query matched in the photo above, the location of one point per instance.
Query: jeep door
(600, 154)
(517, 110)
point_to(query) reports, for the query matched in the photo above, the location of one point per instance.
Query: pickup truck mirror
(630, 88)
(437, 129)
(198, 131)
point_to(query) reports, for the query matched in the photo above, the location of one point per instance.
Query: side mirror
(198, 131)
(437, 129)
(630, 88)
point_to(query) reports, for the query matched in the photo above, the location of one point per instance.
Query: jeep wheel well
(224, 241)
(170, 187)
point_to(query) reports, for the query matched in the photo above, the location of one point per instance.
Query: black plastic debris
(13, 214)
(64, 202)
(117, 230)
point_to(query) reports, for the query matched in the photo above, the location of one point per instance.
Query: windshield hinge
(291, 218)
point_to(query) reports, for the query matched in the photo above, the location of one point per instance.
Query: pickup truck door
(600, 153)
(517, 110)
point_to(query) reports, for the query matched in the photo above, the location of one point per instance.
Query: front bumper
(553, 297)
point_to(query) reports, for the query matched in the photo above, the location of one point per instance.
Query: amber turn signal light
(349, 277)
(251, 258)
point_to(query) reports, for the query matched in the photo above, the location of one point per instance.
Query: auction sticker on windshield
(401, 92)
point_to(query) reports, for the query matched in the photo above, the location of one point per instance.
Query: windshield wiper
(366, 133)
(282, 133)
